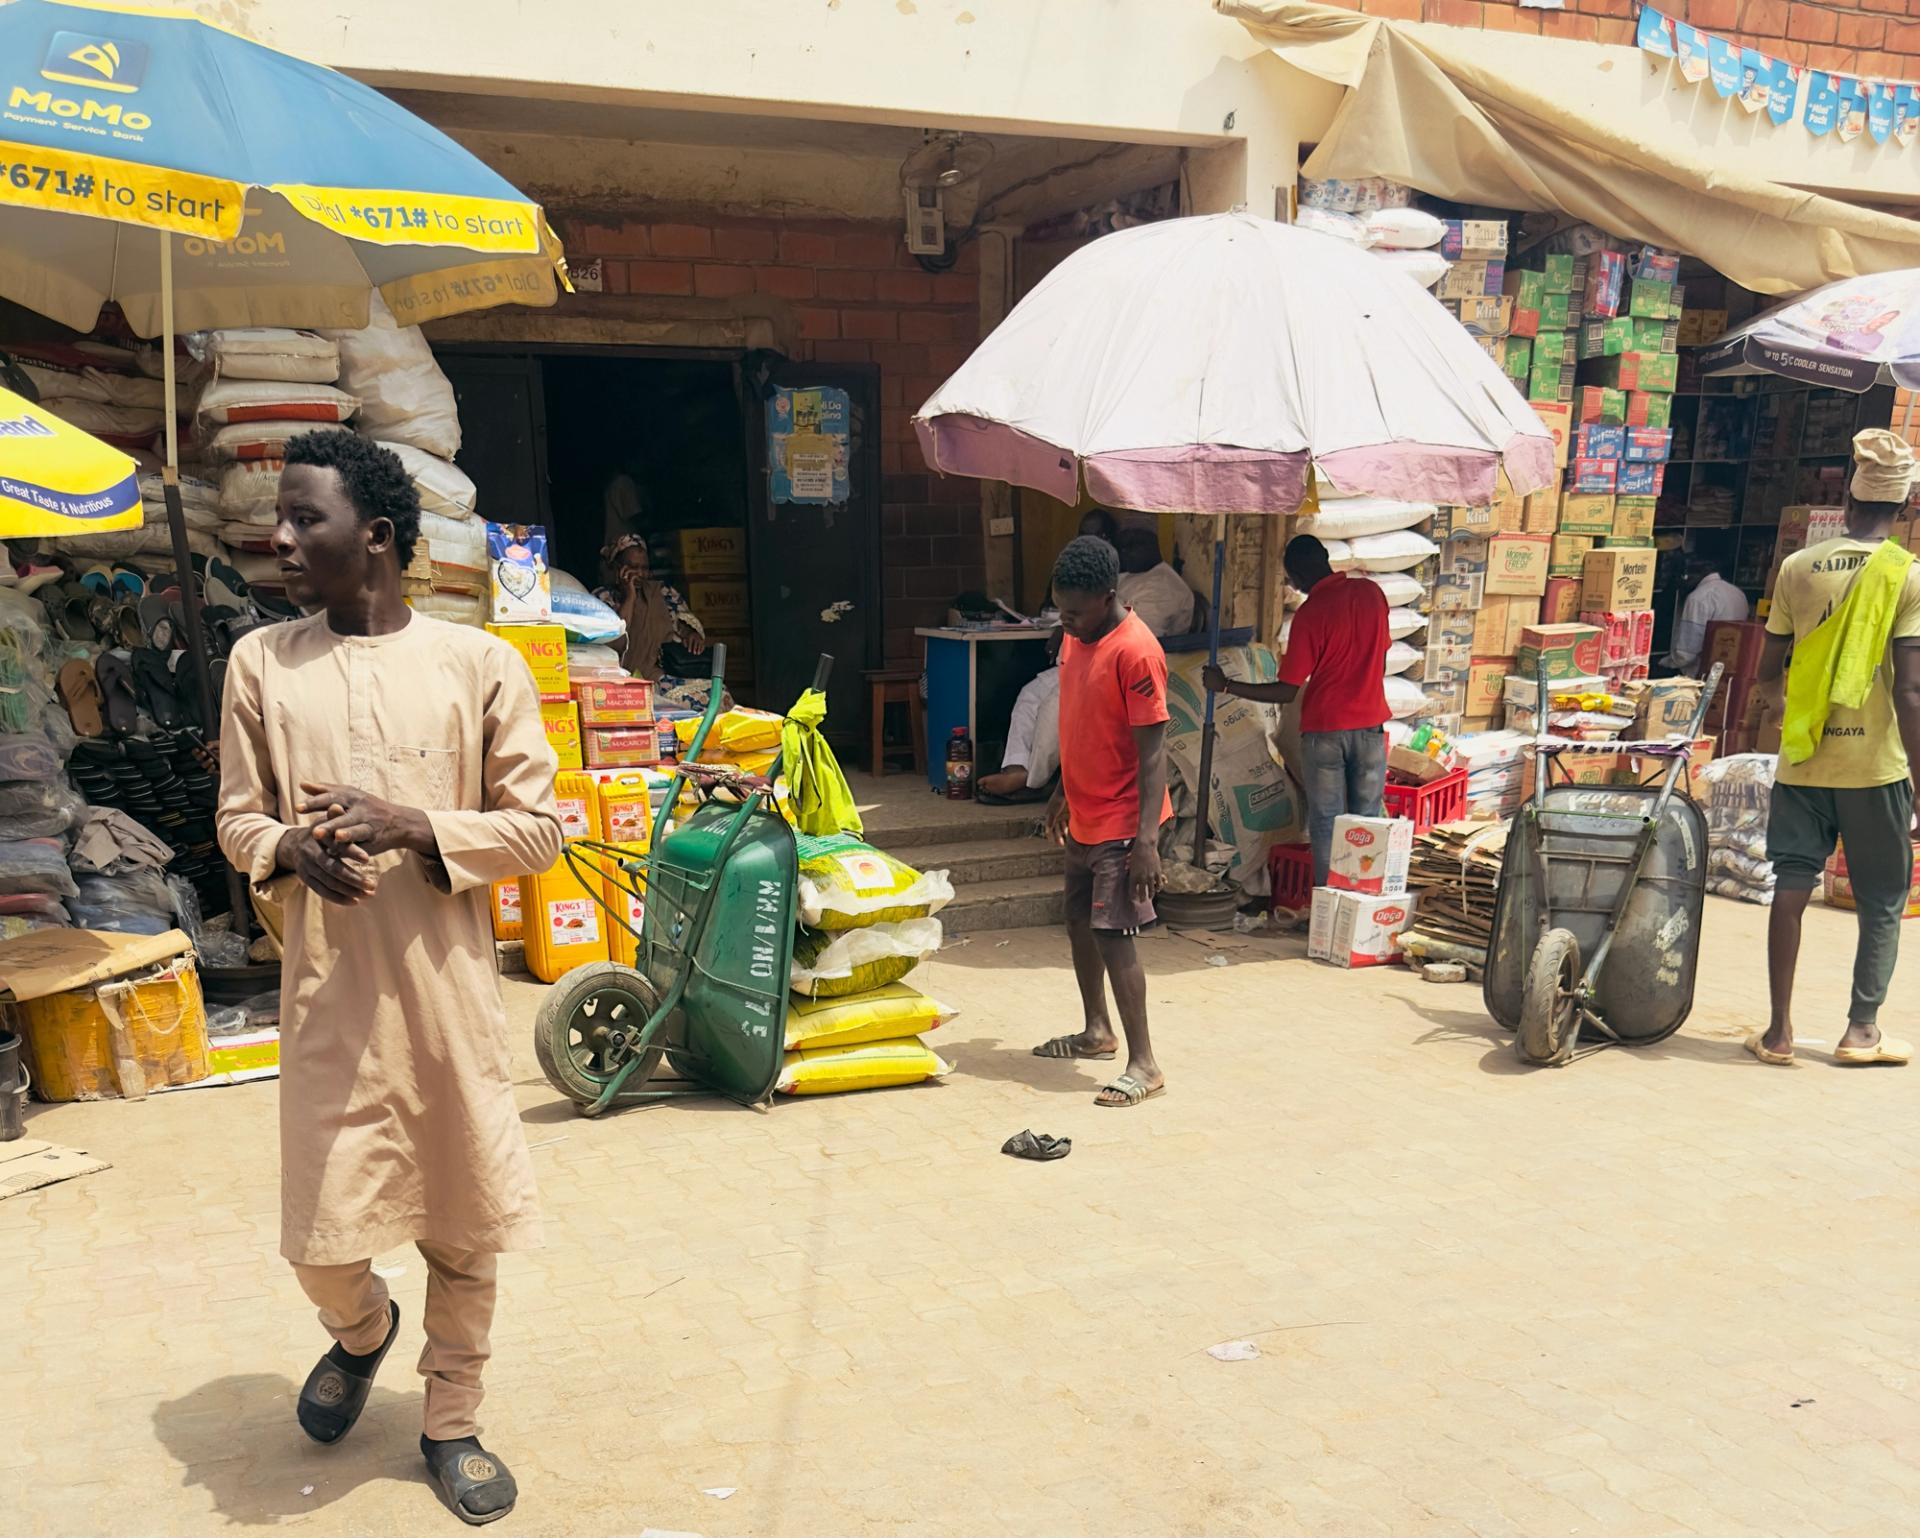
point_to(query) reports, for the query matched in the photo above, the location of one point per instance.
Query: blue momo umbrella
(200, 180)
(290, 190)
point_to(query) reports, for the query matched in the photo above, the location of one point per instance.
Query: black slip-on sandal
(474, 1483)
(333, 1396)
(1028, 1144)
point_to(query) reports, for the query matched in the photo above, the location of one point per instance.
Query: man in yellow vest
(1849, 609)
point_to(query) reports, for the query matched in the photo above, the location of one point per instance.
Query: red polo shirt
(1337, 648)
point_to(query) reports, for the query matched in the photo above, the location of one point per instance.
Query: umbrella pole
(183, 555)
(1205, 788)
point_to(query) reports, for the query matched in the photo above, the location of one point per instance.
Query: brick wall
(1866, 37)
(843, 292)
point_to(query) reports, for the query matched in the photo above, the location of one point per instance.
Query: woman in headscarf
(656, 616)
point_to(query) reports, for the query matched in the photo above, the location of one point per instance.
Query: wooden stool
(897, 686)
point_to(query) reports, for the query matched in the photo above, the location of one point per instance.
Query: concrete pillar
(997, 526)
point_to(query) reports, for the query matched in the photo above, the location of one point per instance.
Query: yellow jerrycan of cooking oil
(627, 811)
(562, 924)
(506, 910)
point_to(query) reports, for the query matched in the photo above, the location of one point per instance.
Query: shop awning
(1492, 118)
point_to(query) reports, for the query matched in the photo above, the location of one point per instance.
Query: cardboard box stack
(1736, 645)
(712, 564)
(544, 646)
(1473, 289)
(1359, 914)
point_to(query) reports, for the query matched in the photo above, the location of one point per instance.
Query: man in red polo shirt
(1335, 660)
(1109, 806)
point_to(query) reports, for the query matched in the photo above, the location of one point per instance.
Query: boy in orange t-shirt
(1109, 806)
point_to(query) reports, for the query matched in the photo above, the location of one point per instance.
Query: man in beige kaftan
(383, 768)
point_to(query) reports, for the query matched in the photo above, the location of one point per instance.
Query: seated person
(657, 618)
(1032, 757)
(1152, 588)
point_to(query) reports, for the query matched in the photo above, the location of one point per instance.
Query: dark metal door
(503, 433)
(814, 566)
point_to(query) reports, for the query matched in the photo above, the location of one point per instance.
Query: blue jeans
(1345, 772)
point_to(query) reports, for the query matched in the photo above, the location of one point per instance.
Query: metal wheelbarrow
(717, 897)
(1596, 923)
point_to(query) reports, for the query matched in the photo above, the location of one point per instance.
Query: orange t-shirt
(1106, 690)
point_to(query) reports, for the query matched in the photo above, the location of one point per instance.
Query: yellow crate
(70, 1037)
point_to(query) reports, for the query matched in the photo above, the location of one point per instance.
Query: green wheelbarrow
(714, 947)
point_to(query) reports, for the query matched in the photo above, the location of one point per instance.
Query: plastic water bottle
(959, 765)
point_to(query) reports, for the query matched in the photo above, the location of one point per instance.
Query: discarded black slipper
(335, 1392)
(1037, 1145)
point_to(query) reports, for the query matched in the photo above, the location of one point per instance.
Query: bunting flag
(1823, 103)
(1826, 103)
(1785, 94)
(1880, 111)
(1906, 114)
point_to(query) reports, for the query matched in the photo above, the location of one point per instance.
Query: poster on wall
(808, 434)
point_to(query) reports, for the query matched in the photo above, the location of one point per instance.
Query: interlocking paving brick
(1490, 1302)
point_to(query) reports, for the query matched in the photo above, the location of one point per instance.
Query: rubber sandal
(1065, 1047)
(156, 688)
(1129, 1087)
(332, 1398)
(80, 693)
(1883, 1053)
(157, 623)
(1028, 1144)
(475, 1485)
(115, 676)
(1765, 1054)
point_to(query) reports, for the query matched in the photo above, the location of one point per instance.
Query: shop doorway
(679, 441)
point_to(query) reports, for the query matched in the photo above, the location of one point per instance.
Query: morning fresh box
(1370, 854)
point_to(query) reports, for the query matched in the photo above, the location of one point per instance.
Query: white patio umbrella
(1209, 364)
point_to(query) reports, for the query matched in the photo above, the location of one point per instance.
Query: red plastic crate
(1428, 805)
(1290, 868)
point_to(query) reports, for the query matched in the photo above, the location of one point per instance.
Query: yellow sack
(876, 1065)
(834, 964)
(846, 884)
(735, 731)
(884, 1014)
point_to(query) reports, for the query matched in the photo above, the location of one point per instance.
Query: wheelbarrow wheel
(573, 1036)
(1550, 1008)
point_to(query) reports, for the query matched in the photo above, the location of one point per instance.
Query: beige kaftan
(397, 1117)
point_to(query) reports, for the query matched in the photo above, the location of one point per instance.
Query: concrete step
(887, 829)
(1028, 902)
(993, 859)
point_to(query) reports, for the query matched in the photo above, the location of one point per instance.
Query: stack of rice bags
(115, 393)
(1382, 541)
(97, 387)
(866, 921)
(1374, 214)
(266, 385)
(407, 405)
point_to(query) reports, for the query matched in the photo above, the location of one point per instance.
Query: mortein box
(1370, 854)
(1357, 929)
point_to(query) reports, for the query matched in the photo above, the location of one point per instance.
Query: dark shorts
(1804, 822)
(1097, 888)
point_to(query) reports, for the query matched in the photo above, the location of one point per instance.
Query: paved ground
(1660, 1293)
